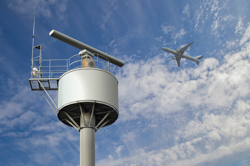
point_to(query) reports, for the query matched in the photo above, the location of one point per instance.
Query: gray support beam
(82, 115)
(102, 120)
(72, 120)
(92, 113)
(48, 102)
(72, 124)
(47, 93)
(102, 125)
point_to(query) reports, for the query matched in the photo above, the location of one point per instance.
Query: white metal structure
(87, 91)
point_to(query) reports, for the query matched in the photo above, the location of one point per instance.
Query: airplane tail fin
(198, 57)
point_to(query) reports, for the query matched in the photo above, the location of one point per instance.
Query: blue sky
(169, 115)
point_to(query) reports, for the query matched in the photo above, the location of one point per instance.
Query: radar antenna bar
(82, 46)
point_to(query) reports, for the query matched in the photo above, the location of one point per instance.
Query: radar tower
(87, 91)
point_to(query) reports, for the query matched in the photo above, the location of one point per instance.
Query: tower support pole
(87, 140)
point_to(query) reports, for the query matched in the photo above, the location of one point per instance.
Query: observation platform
(46, 73)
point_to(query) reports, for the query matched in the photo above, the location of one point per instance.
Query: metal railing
(54, 68)
(75, 62)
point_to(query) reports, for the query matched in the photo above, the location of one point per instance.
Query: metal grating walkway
(48, 84)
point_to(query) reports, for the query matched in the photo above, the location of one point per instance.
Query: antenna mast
(33, 39)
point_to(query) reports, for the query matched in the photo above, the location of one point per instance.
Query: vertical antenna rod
(33, 38)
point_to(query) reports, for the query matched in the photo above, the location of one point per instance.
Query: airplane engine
(174, 58)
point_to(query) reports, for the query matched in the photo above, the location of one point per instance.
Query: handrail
(54, 68)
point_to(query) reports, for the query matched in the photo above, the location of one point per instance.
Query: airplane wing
(184, 48)
(197, 59)
(178, 62)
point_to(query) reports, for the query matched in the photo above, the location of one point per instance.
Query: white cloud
(208, 101)
(123, 41)
(239, 28)
(42, 7)
(109, 9)
(40, 158)
(215, 95)
(236, 124)
(175, 35)
(215, 25)
(186, 11)
(210, 139)
(246, 36)
(20, 119)
(23, 119)
(17, 103)
(153, 86)
(52, 126)
(180, 34)
(159, 39)
(167, 28)
(220, 152)
(211, 9)
(119, 149)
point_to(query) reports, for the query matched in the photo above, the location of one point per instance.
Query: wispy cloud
(25, 117)
(181, 116)
(215, 91)
(239, 28)
(210, 84)
(109, 9)
(246, 36)
(42, 7)
(175, 34)
(186, 11)
(119, 149)
(180, 34)
(207, 10)
(167, 28)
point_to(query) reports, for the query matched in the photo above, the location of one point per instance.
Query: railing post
(49, 67)
(67, 67)
(97, 61)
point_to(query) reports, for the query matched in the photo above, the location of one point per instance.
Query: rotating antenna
(82, 46)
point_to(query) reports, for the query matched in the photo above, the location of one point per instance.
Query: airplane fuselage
(179, 55)
(169, 50)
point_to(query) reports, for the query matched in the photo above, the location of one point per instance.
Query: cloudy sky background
(169, 115)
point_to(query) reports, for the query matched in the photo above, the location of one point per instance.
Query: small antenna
(33, 39)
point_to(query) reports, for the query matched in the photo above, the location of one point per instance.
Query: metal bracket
(72, 124)
(102, 121)
(93, 108)
(72, 120)
(82, 115)
(48, 96)
(101, 125)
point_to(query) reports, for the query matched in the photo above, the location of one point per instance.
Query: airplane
(180, 54)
